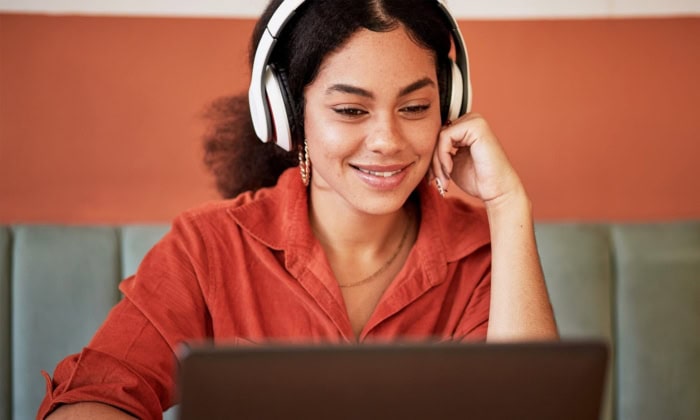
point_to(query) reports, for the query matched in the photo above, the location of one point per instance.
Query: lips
(382, 177)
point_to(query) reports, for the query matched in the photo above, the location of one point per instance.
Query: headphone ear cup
(281, 110)
(445, 82)
(295, 125)
(454, 94)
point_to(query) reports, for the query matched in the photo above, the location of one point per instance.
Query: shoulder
(263, 214)
(470, 215)
(219, 211)
(465, 223)
(459, 224)
(220, 215)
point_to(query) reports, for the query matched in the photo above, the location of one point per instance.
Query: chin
(382, 203)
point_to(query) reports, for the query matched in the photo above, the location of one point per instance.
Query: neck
(346, 230)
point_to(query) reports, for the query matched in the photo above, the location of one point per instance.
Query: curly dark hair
(239, 161)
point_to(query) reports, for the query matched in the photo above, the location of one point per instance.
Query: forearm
(520, 307)
(138, 380)
(88, 410)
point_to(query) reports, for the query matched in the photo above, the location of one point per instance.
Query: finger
(453, 137)
(465, 131)
(436, 168)
(446, 150)
(442, 159)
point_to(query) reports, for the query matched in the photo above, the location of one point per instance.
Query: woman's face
(372, 117)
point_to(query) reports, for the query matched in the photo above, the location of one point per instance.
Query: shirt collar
(450, 228)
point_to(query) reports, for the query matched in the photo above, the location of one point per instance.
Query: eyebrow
(354, 90)
(418, 84)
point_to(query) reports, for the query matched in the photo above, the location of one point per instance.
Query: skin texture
(386, 118)
(388, 121)
(469, 155)
(88, 411)
(359, 118)
(382, 121)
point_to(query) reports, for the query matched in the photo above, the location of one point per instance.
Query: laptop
(548, 380)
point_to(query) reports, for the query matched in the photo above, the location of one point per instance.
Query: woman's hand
(468, 154)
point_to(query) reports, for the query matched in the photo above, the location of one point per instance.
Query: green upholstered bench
(59, 282)
(635, 285)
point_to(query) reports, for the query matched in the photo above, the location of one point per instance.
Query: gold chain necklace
(386, 265)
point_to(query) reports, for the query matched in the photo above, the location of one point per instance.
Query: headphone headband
(257, 97)
(462, 60)
(265, 92)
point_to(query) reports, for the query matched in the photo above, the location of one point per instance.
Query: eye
(415, 110)
(349, 112)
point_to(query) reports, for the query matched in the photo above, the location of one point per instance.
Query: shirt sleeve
(131, 361)
(127, 364)
(475, 320)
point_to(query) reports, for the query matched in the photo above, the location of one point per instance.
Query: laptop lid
(552, 380)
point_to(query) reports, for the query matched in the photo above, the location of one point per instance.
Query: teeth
(382, 174)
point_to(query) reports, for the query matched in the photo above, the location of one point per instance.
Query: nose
(385, 135)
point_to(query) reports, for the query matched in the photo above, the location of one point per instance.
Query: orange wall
(100, 117)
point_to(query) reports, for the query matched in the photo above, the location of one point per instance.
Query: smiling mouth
(383, 174)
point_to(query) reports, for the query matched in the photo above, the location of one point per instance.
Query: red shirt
(251, 270)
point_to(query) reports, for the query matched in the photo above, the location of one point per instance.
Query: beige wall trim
(494, 9)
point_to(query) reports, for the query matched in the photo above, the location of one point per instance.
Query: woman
(356, 244)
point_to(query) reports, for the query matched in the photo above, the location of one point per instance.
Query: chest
(361, 301)
(313, 308)
(273, 297)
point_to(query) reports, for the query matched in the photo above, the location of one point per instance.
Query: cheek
(329, 139)
(423, 137)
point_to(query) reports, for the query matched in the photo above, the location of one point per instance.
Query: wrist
(515, 203)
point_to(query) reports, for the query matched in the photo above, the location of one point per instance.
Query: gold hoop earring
(305, 164)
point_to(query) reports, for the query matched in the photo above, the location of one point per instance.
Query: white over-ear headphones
(270, 105)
